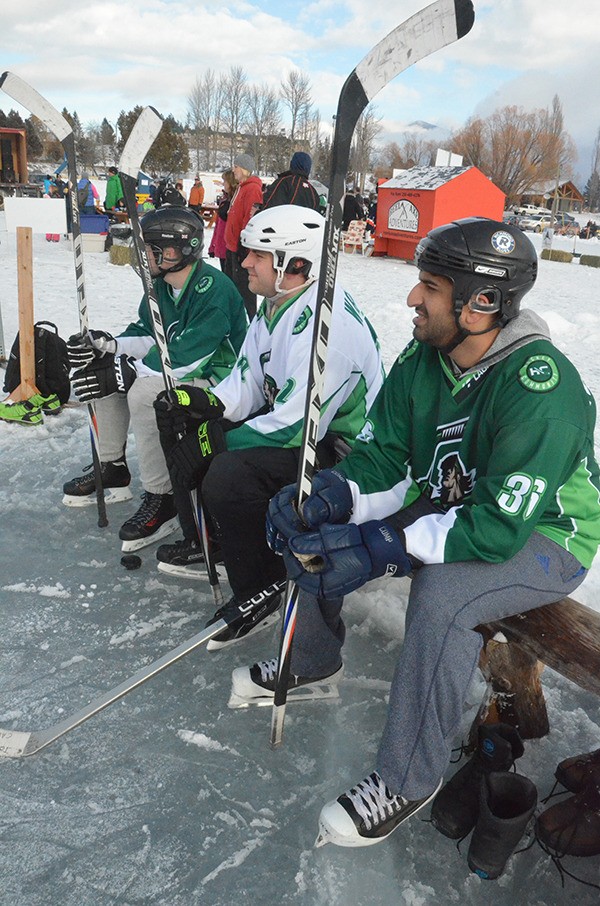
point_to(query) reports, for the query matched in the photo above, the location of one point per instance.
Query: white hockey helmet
(293, 235)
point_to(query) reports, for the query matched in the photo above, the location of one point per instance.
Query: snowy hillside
(169, 798)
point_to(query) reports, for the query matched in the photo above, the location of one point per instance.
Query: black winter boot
(507, 802)
(456, 806)
(574, 773)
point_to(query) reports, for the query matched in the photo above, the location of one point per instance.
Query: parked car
(511, 218)
(528, 209)
(563, 222)
(533, 222)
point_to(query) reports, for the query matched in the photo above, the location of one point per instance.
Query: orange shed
(417, 200)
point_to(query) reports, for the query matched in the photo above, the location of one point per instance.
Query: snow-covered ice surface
(168, 797)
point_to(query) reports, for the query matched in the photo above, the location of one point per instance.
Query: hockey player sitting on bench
(238, 470)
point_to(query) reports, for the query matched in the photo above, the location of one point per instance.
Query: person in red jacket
(247, 195)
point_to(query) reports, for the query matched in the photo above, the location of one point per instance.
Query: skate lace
(373, 801)
(268, 670)
(148, 509)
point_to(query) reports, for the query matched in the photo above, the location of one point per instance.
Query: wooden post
(27, 386)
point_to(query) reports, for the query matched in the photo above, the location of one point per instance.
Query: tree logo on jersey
(454, 482)
(302, 321)
(270, 391)
(539, 374)
(204, 284)
(367, 434)
(503, 242)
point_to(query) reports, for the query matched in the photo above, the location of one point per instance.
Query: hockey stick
(427, 31)
(150, 122)
(16, 743)
(29, 98)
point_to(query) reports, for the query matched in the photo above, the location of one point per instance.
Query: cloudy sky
(100, 58)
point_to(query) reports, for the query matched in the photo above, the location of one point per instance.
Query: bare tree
(234, 107)
(205, 102)
(517, 149)
(295, 95)
(264, 123)
(367, 129)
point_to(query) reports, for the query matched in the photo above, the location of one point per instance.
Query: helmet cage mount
(171, 227)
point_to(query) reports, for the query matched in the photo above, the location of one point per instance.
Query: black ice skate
(185, 559)
(255, 685)
(81, 491)
(366, 814)
(155, 519)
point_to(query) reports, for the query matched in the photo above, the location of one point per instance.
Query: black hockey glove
(104, 377)
(189, 459)
(174, 408)
(83, 348)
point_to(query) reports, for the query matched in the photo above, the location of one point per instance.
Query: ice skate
(366, 814)
(255, 685)
(81, 491)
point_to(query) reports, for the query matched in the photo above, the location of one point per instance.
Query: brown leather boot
(572, 827)
(573, 773)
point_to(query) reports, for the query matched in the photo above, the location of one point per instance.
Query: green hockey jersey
(267, 388)
(205, 325)
(503, 450)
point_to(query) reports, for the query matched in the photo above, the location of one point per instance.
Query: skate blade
(111, 495)
(185, 572)
(167, 528)
(316, 693)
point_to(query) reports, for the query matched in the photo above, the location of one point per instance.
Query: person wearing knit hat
(247, 197)
(293, 186)
(245, 162)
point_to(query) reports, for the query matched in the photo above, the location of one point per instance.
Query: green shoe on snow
(21, 413)
(50, 405)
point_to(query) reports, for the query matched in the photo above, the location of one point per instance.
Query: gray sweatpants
(115, 413)
(440, 651)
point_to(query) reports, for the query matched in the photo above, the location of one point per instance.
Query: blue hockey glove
(191, 456)
(330, 500)
(174, 408)
(283, 520)
(84, 348)
(340, 558)
(104, 377)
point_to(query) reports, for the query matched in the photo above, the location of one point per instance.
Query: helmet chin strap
(282, 293)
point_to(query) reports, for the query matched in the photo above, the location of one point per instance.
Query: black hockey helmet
(174, 227)
(491, 264)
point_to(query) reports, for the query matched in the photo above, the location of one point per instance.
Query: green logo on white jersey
(302, 321)
(539, 374)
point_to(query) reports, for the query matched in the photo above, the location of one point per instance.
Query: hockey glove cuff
(104, 377)
(341, 558)
(190, 458)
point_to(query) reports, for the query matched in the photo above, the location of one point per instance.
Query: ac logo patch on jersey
(303, 321)
(204, 284)
(540, 374)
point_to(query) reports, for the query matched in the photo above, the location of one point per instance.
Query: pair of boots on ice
(486, 797)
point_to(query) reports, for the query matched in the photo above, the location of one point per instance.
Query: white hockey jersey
(267, 387)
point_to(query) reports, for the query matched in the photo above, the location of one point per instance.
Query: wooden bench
(564, 636)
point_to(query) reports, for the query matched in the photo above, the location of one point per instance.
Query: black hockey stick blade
(18, 744)
(429, 30)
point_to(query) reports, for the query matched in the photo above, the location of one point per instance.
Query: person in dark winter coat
(293, 186)
(353, 209)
